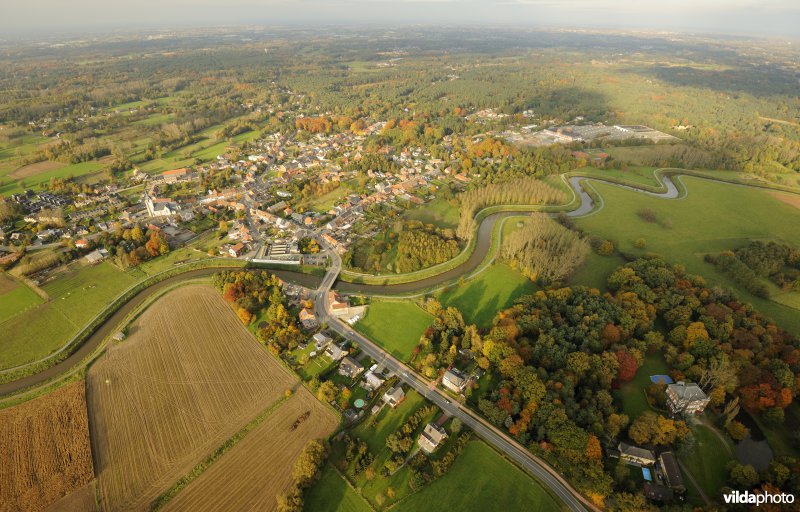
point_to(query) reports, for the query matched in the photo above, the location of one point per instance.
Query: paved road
(535, 466)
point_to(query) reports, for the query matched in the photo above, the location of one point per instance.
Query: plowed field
(188, 377)
(259, 467)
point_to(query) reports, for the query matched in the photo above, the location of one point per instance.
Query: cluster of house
(31, 202)
(663, 481)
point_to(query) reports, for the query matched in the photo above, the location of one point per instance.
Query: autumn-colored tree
(245, 316)
(737, 430)
(611, 334)
(593, 450)
(628, 365)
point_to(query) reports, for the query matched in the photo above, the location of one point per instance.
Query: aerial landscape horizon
(425, 255)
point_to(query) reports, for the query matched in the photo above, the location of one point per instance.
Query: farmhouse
(431, 437)
(686, 398)
(349, 367)
(95, 257)
(394, 396)
(635, 455)
(454, 380)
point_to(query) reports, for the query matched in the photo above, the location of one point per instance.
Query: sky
(35, 18)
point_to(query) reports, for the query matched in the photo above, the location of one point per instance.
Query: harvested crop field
(188, 377)
(33, 169)
(82, 500)
(259, 467)
(44, 449)
(790, 199)
(7, 283)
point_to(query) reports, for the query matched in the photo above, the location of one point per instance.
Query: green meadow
(395, 325)
(75, 298)
(712, 218)
(493, 290)
(481, 479)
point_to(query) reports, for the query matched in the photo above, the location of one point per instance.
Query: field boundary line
(221, 450)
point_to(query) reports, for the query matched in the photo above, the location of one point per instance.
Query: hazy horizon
(768, 18)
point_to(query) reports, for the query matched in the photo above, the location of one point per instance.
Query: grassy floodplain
(492, 290)
(712, 218)
(15, 297)
(438, 212)
(75, 298)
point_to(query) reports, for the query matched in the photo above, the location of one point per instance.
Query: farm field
(82, 500)
(76, 296)
(333, 494)
(395, 325)
(438, 212)
(493, 290)
(189, 376)
(34, 169)
(44, 449)
(15, 297)
(712, 218)
(259, 467)
(480, 479)
(35, 179)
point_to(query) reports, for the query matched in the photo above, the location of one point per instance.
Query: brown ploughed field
(259, 467)
(187, 378)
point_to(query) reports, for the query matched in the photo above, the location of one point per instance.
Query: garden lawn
(325, 202)
(389, 420)
(712, 218)
(480, 479)
(632, 394)
(494, 289)
(438, 212)
(332, 494)
(707, 461)
(75, 298)
(395, 325)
